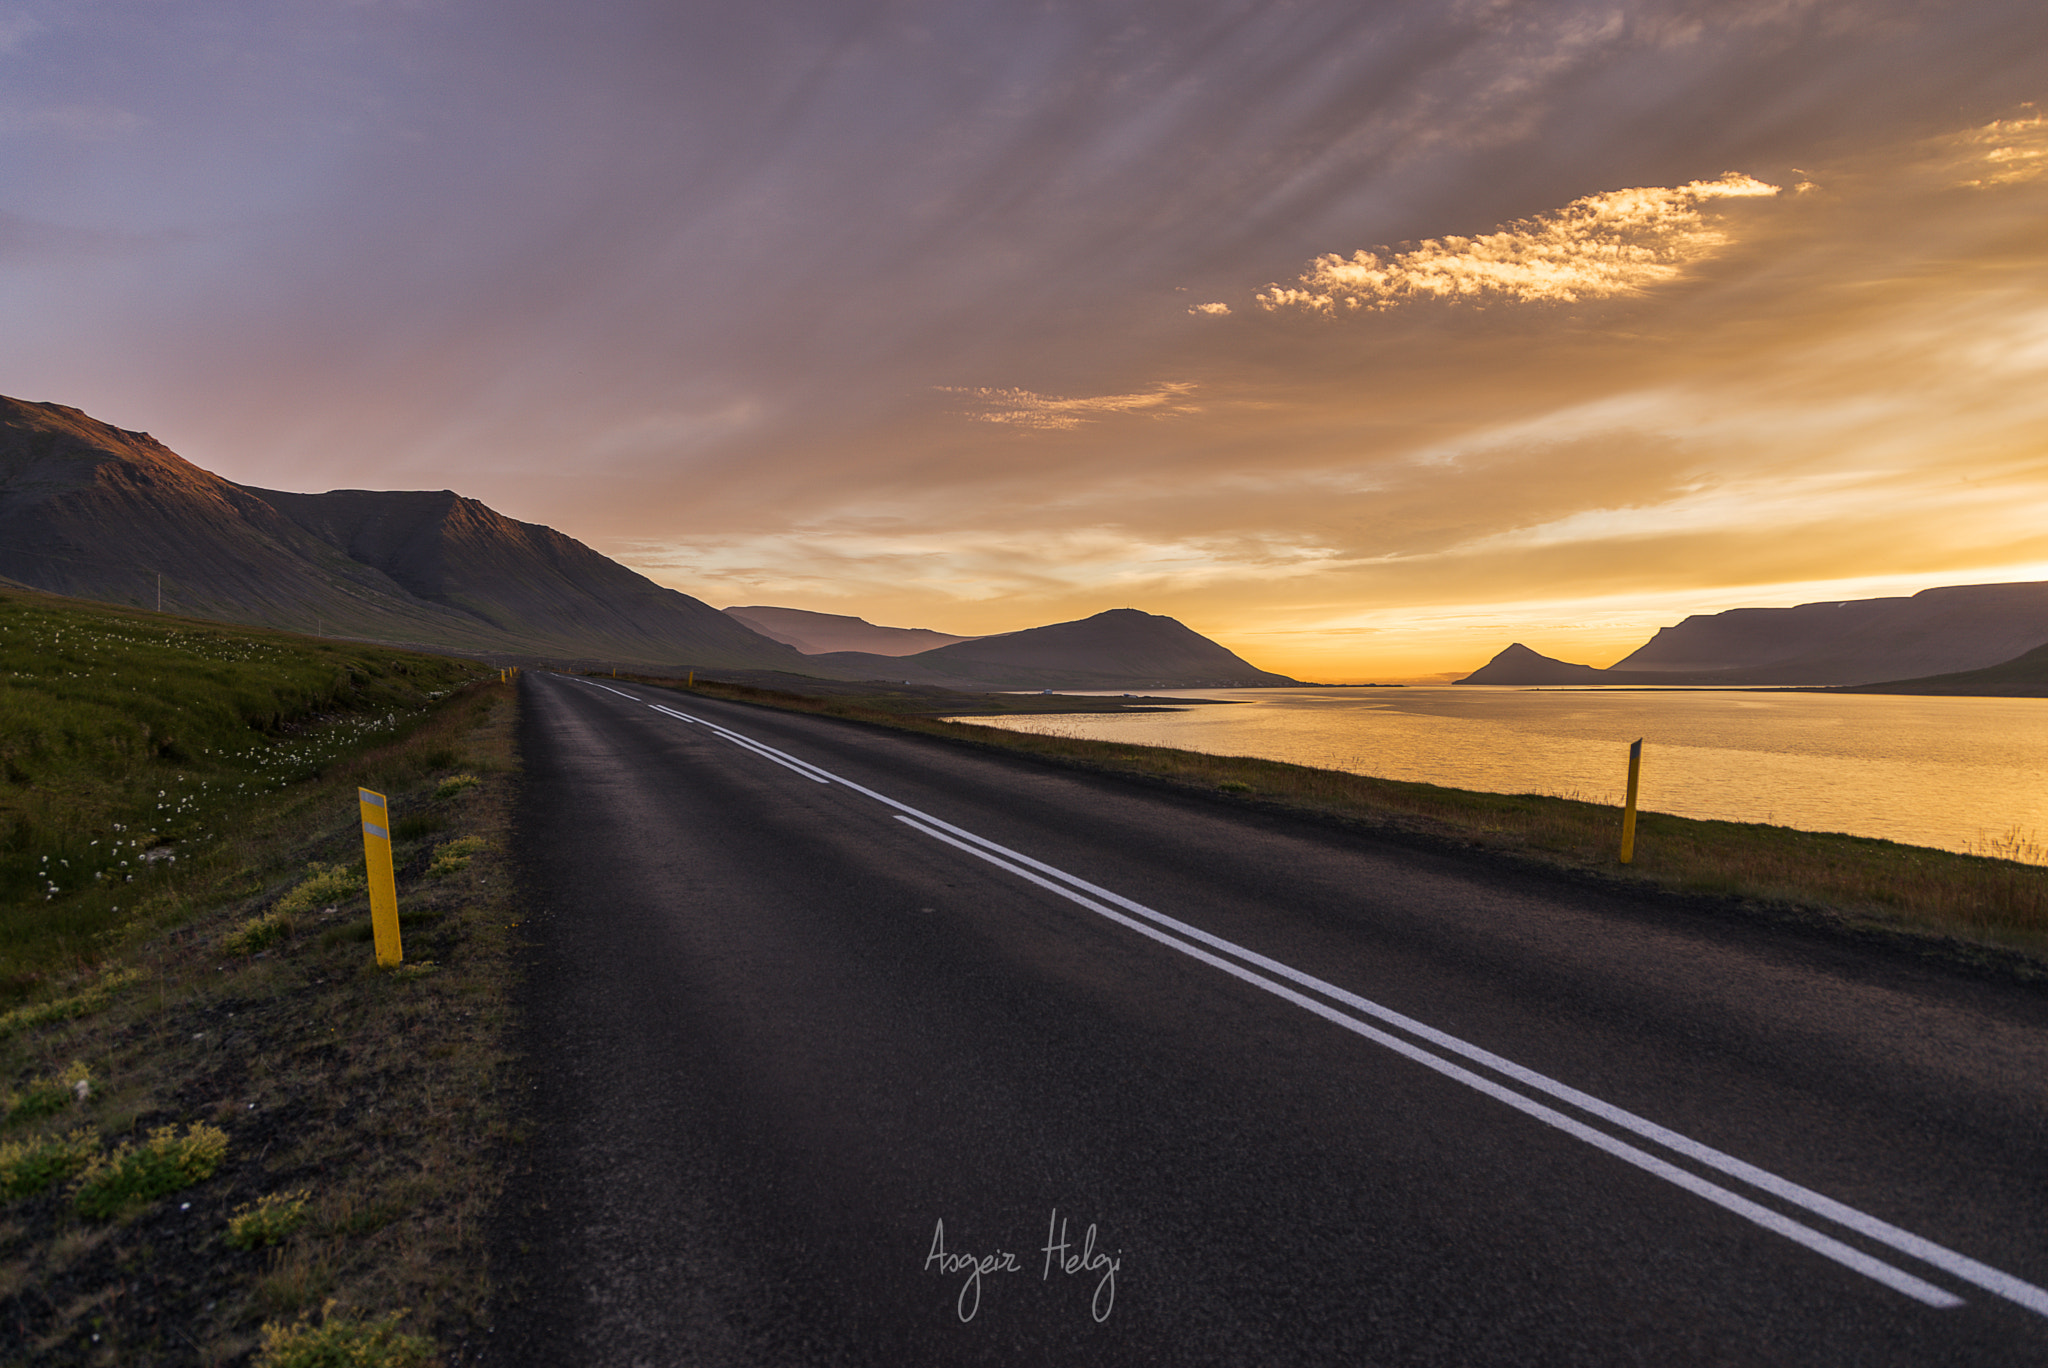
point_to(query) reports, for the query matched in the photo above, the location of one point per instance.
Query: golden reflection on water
(1957, 773)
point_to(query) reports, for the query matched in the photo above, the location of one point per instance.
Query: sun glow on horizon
(1561, 335)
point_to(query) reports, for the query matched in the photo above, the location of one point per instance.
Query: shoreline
(1973, 910)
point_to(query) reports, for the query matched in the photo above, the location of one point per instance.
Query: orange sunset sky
(1365, 338)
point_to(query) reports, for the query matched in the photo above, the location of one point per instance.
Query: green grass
(1984, 898)
(209, 997)
(131, 743)
(97, 991)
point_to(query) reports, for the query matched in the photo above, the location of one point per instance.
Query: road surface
(849, 1046)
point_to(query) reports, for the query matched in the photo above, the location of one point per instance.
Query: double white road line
(1358, 1015)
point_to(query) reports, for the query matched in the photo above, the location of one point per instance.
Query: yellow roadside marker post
(383, 887)
(1628, 811)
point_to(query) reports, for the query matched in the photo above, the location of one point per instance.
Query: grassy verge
(1973, 907)
(131, 741)
(225, 1136)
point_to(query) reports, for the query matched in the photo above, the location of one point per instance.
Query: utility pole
(159, 591)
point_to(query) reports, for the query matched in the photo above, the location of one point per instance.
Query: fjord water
(1955, 773)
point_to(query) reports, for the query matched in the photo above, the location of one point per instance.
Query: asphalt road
(820, 1013)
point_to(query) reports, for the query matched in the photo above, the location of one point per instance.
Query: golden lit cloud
(2005, 152)
(1616, 243)
(869, 312)
(1042, 412)
(1848, 393)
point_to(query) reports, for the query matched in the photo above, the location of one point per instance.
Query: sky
(1365, 338)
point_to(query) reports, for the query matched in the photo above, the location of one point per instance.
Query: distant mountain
(2024, 676)
(1934, 632)
(817, 633)
(1520, 665)
(1120, 649)
(99, 512)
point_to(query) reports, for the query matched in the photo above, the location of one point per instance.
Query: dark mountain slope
(818, 633)
(524, 579)
(1935, 632)
(95, 511)
(1120, 649)
(2024, 676)
(98, 512)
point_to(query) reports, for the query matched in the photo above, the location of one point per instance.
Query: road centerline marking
(790, 762)
(1778, 1223)
(1075, 889)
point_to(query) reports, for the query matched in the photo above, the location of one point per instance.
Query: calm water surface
(1958, 773)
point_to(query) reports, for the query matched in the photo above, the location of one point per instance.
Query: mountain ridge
(821, 633)
(1936, 632)
(1122, 648)
(95, 511)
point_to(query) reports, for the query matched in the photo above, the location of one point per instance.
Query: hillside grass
(1978, 908)
(225, 1135)
(129, 741)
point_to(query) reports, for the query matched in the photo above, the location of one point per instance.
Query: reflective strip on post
(383, 886)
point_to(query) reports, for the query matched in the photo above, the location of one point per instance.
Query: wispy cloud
(2004, 152)
(1615, 243)
(667, 277)
(1043, 412)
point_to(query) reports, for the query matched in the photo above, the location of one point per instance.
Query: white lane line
(765, 751)
(788, 762)
(1883, 1232)
(1896, 1279)
(810, 772)
(1961, 1266)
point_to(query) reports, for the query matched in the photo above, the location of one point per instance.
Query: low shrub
(453, 857)
(324, 886)
(267, 1220)
(258, 933)
(48, 1096)
(29, 1166)
(454, 784)
(163, 1164)
(338, 1342)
